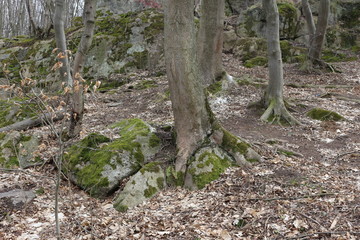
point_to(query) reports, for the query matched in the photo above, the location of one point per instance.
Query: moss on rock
(256, 61)
(324, 115)
(206, 166)
(98, 164)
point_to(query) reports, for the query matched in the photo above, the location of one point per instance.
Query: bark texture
(309, 20)
(78, 90)
(273, 100)
(210, 39)
(192, 120)
(60, 39)
(321, 25)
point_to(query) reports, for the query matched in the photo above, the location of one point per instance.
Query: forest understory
(307, 185)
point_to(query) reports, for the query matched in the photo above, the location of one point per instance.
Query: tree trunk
(195, 125)
(61, 42)
(317, 43)
(192, 122)
(273, 100)
(78, 90)
(210, 39)
(309, 20)
(33, 29)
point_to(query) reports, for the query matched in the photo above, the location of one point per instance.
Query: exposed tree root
(277, 113)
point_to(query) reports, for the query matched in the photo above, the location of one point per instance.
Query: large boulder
(98, 164)
(122, 43)
(140, 187)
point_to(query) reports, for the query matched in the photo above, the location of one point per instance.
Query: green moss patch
(207, 167)
(324, 115)
(256, 61)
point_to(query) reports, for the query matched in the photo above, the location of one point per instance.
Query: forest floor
(306, 187)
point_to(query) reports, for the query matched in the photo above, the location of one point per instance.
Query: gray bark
(274, 94)
(321, 25)
(85, 42)
(192, 122)
(210, 39)
(60, 39)
(309, 20)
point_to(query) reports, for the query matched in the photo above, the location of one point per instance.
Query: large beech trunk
(78, 90)
(61, 42)
(321, 25)
(192, 120)
(273, 100)
(210, 39)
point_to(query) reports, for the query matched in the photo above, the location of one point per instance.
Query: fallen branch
(294, 85)
(34, 122)
(342, 97)
(290, 198)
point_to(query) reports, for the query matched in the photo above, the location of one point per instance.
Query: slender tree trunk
(210, 40)
(187, 95)
(85, 43)
(276, 110)
(309, 20)
(60, 39)
(33, 28)
(321, 25)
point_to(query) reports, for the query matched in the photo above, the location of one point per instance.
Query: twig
(315, 233)
(347, 153)
(290, 198)
(311, 219)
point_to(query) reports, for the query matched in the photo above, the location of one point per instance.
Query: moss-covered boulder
(206, 166)
(19, 150)
(98, 164)
(324, 115)
(122, 43)
(141, 186)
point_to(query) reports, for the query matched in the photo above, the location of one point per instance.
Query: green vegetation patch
(215, 88)
(256, 61)
(324, 115)
(213, 166)
(234, 144)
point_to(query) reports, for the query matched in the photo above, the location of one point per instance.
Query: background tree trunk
(309, 20)
(276, 110)
(78, 90)
(61, 42)
(192, 121)
(321, 25)
(210, 39)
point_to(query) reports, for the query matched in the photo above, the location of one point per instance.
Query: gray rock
(141, 186)
(18, 197)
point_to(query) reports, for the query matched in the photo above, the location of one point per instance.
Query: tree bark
(78, 90)
(321, 25)
(210, 40)
(60, 39)
(273, 100)
(33, 29)
(192, 122)
(309, 20)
